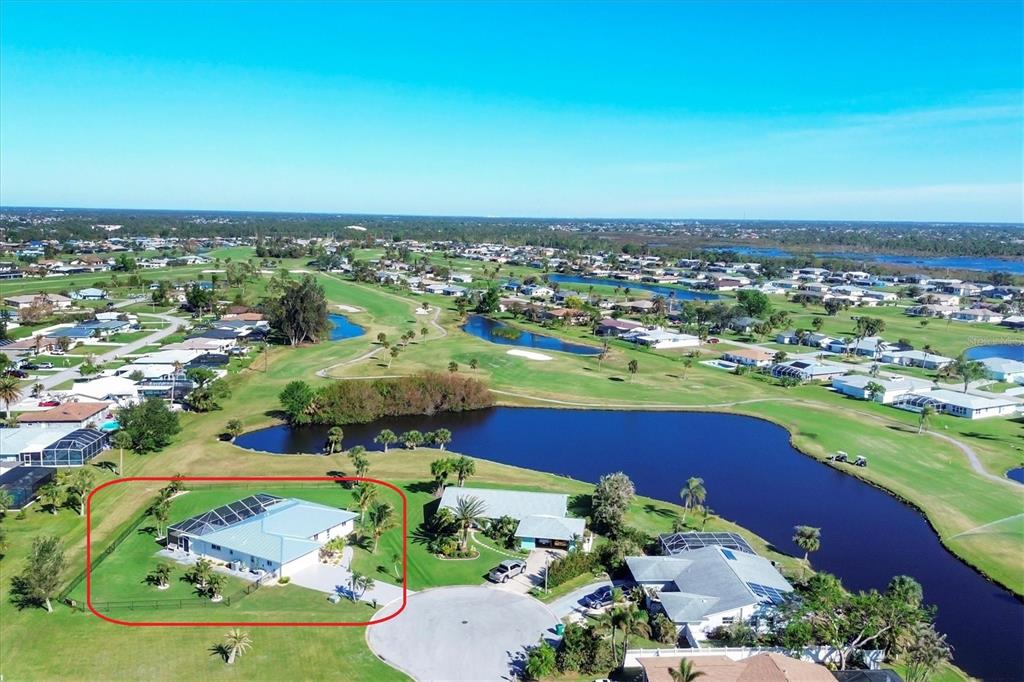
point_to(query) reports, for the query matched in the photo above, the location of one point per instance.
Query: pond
(1012, 351)
(1016, 474)
(666, 291)
(755, 478)
(342, 328)
(485, 328)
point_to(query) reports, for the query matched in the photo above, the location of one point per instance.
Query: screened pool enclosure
(74, 449)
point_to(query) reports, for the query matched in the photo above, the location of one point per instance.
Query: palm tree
(439, 469)
(160, 575)
(385, 438)
(693, 494)
(160, 510)
(873, 390)
(380, 519)
(633, 621)
(633, 368)
(473, 364)
(926, 413)
(359, 584)
(360, 462)
(807, 538)
(52, 496)
(687, 364)
(121, 440)
(393, 353)
(463, 467)
(37, 389)
(441, 437)
(214, 584)
(9, 393)
(200, 573)
(468, 511)
(685, 671)
(236, 643)
(334, 438)
(174, 378)
(366, 496)
(233, 428)
(968, 370)
(6, 501)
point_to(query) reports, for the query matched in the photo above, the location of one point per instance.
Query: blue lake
(948, 262)
(1013, 351)
(484, 328)
(755, 478)
(668, 292)
(342, 328)
(1016, 474)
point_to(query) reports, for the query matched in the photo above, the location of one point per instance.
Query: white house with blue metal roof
(263, 533)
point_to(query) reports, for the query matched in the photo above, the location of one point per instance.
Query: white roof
(106, 386)
(1003, 365)
(169, 357)
(967, 400)
(32, 438)
(147, 371)
(518, 504)
(894, 384)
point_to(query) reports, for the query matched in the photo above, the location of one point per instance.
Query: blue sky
(823, 110)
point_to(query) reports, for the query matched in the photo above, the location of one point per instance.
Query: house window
(214, 546)
(728, 620)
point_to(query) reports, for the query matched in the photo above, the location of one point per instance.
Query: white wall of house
(202, 548)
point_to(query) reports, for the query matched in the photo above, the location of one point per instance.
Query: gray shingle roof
(550, 527)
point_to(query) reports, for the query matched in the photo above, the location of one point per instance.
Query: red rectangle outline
(88, 551)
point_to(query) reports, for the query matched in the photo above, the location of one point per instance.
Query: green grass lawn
(921, 468)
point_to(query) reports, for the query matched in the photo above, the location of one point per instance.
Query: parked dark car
(17, 374)
(506, 569)
(600, 598)
(29, 366)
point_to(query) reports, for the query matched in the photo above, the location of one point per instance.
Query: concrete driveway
(533, 576)
(332, 579)
(461, 633)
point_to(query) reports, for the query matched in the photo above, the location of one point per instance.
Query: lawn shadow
(618, 379)
(220, 650)
(981, 436)
(421, 487)
(663, 512)
(421, 535)
(147, 530)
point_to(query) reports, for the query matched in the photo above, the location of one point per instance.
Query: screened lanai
(221, 517)
(74, 449)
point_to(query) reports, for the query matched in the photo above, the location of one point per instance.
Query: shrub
(284, 580)
(503, 531)
(569, 566)
(584, 651)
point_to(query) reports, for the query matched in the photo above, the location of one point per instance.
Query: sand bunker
(528, 354)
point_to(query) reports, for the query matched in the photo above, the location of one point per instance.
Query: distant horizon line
(4, 207)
